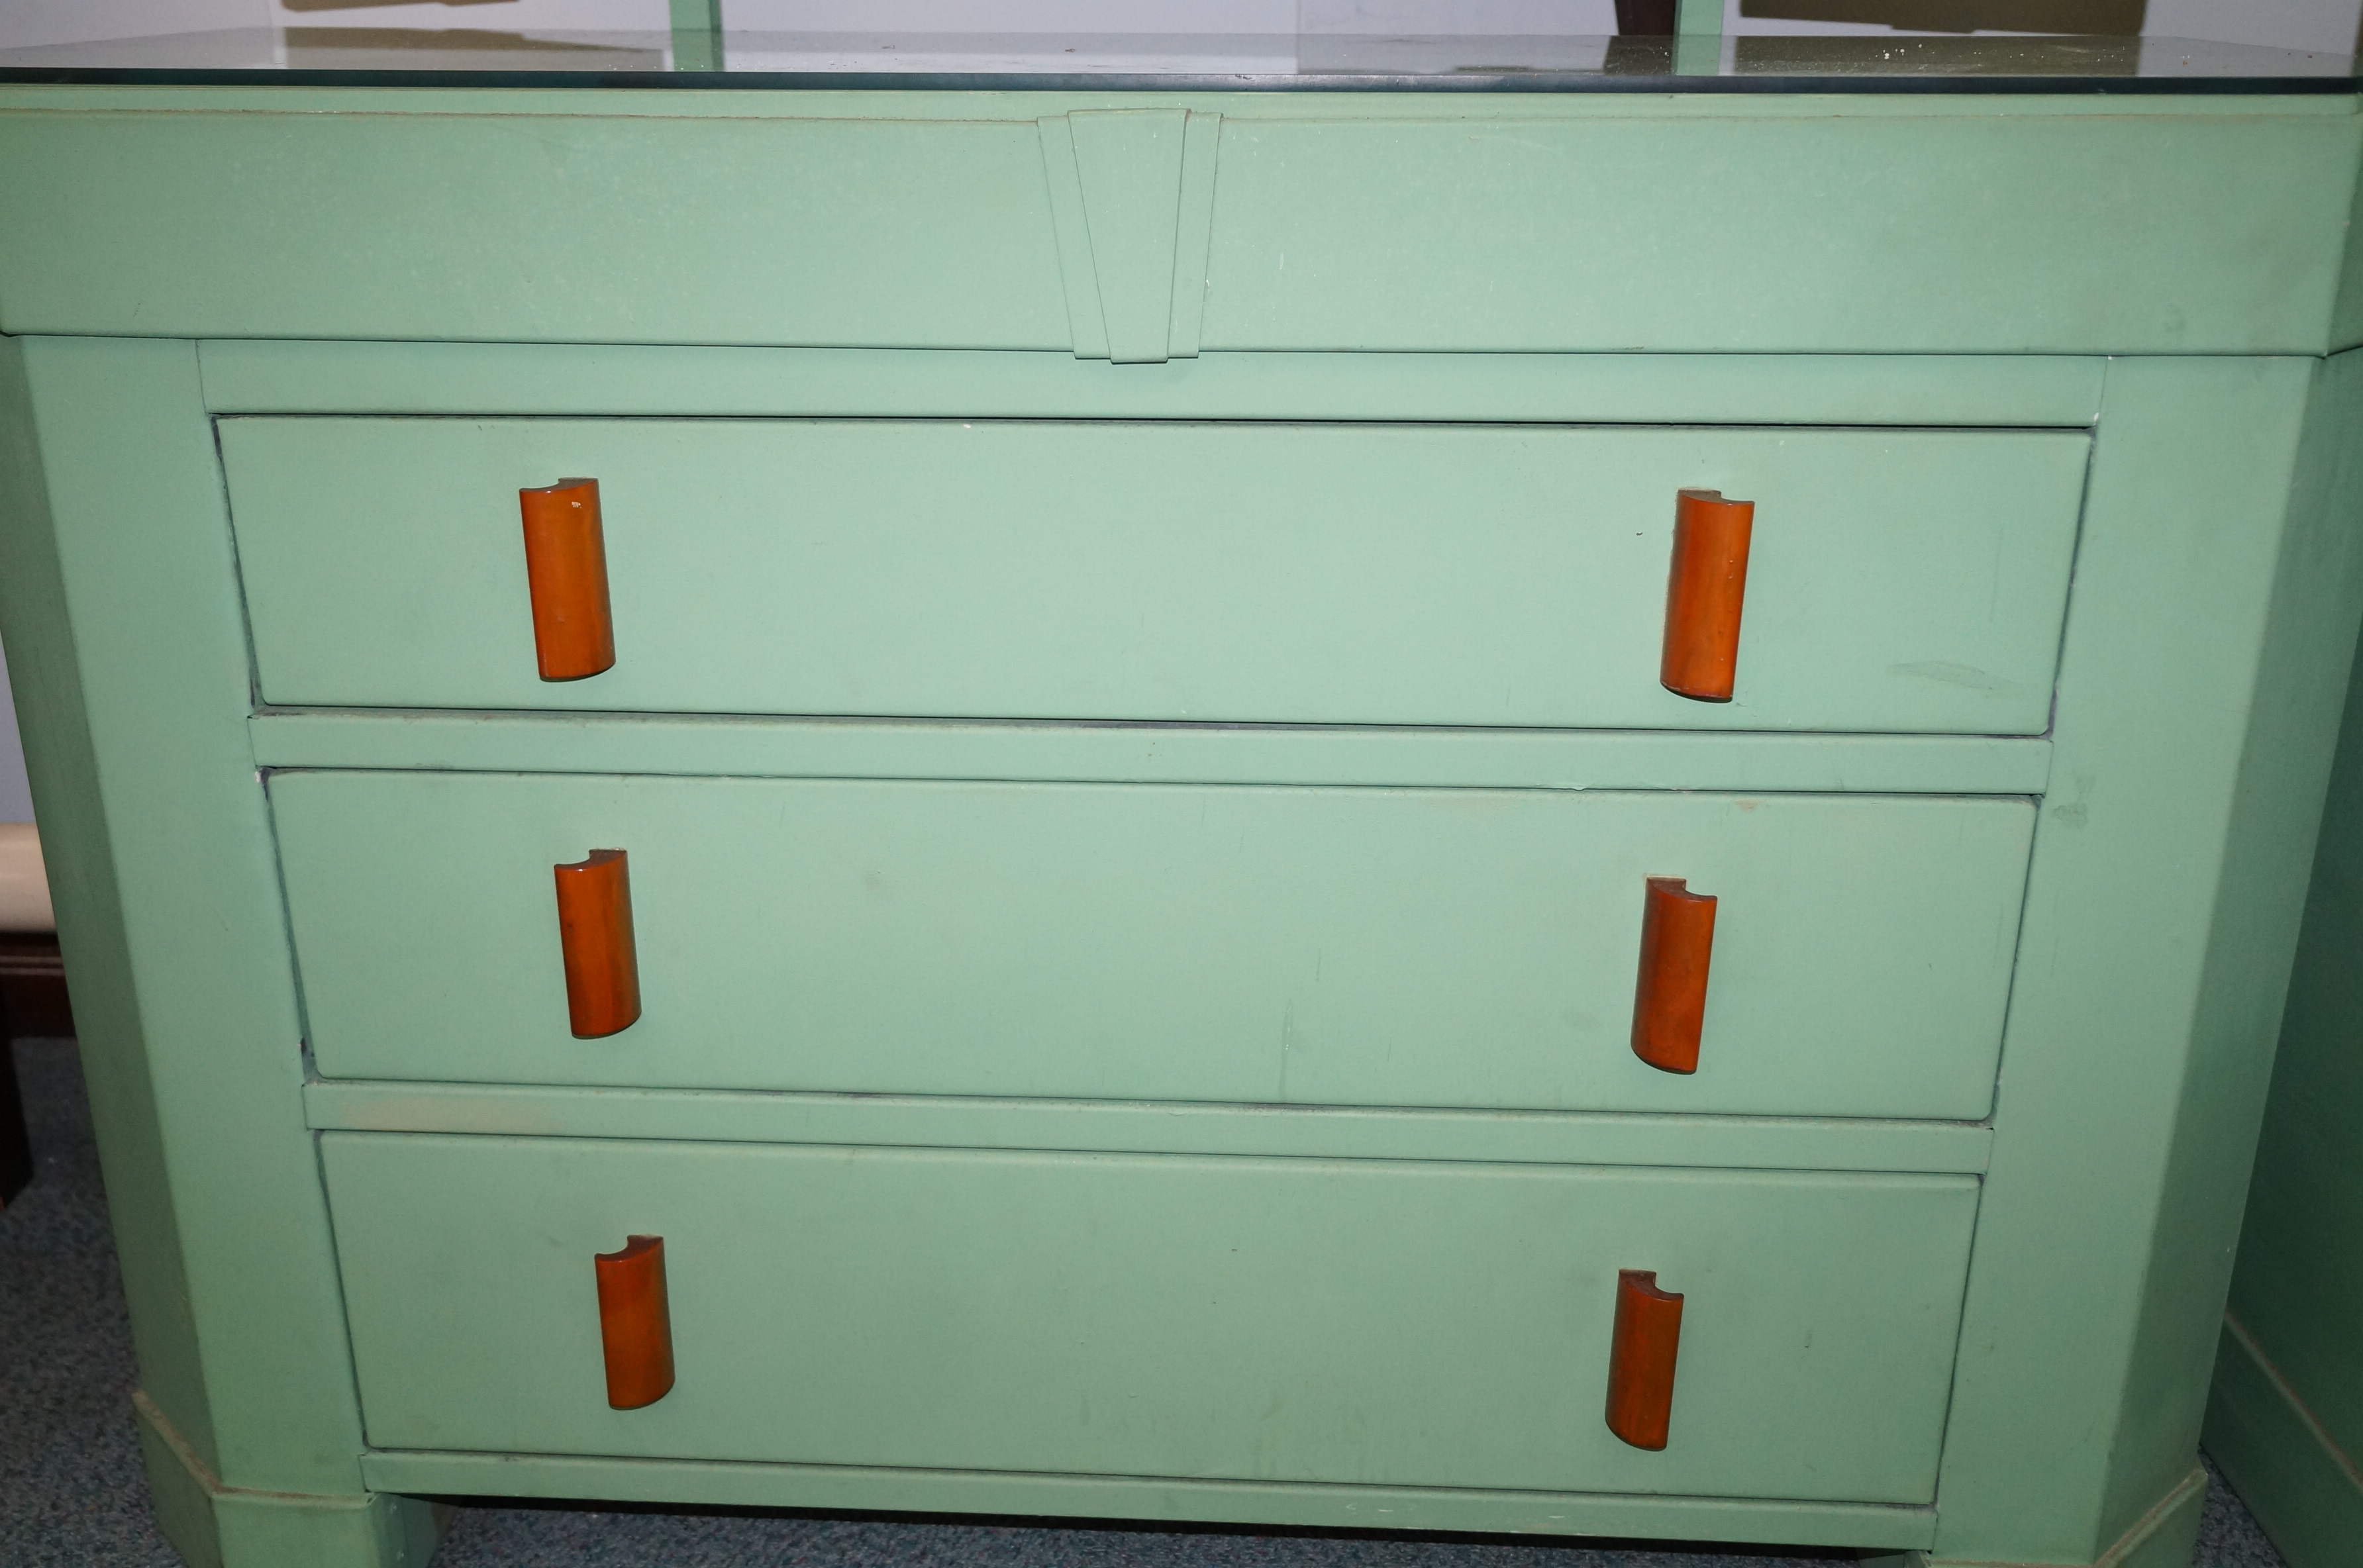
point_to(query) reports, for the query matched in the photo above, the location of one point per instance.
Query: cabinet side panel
(2300, 1270)
(2346, 314)
(146, 583)
(63, 767)
(2275, 812)
(2208, 637)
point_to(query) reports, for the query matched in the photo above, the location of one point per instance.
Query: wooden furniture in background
(15, 1140)
(33, 984)
(32, 987)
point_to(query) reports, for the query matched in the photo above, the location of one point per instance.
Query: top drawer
(1899, 580)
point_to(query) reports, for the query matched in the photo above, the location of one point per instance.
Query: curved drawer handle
(566, 570)
(1677, 947)
(595, 932)
(1703, 595)
(1641, 1359)
(636, 1323)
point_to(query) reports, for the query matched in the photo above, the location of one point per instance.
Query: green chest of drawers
(1137, 729)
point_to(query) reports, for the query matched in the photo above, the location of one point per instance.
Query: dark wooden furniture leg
(15, 1143)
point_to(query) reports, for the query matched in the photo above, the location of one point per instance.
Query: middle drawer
(1362, 946)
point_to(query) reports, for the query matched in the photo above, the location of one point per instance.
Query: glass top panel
(1486, 45)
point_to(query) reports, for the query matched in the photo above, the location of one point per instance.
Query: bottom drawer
(1257, 1318)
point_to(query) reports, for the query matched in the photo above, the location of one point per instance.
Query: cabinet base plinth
(714, 1483)
(2301, 1487)
(2162, 1538)
(214, 1526)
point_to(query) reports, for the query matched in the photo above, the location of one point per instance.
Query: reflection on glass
(1506, 45)
(2085, 18)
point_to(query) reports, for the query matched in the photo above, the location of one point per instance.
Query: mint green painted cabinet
(1136, 733)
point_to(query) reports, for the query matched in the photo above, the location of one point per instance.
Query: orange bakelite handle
(595, 932)
(636, 1323)
(566, 570)
(1677, 945)
(1641, 1359)
(1703, 595)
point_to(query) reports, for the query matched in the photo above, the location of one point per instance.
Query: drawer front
(1899, 580)
(1148, 1315)
(1137, 942)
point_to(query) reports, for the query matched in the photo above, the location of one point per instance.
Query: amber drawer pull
(1641, 1359)
(595, 932)
(636, 1323)
(1677, 945)
(566, 570)
(1703, 595)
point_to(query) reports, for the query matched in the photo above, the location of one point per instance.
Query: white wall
(2329, 25)
(26, 24)
(493, 16)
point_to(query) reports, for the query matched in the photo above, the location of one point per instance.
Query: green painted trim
(127, 586)
(2302, 1487)
(2162, 1538)
(181, 1484)
(1018, 751)
(2165, 1536)
(1698, 38)
(1203, 142)
(1128, 165)
(1078, 279)
(697, 35)
(1698, 52)
(1697, 17)
(1620, 389)
(62, 757)
(1120, 1497)
(215, 1526)
(1329, 1132)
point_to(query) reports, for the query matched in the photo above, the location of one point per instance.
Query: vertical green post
(697, 35)
(1698, 38)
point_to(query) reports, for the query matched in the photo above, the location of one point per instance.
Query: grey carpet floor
(72, 1495)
